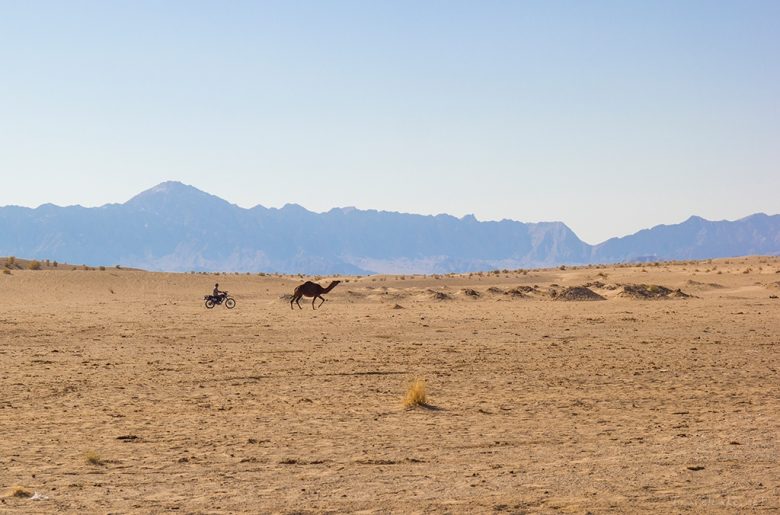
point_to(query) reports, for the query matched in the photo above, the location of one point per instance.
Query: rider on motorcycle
(217, 293)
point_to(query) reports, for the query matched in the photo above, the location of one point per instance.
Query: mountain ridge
(177, 227)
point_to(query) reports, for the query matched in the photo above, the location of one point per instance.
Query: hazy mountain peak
(294, 208)
(169, 188)
(174, 194)
(754, 216)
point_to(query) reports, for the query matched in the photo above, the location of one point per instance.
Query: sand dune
(120, 392)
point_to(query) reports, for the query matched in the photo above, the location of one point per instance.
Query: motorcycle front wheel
(230, 303)
(209, 303)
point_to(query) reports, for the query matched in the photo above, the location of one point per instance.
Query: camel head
(331, 285)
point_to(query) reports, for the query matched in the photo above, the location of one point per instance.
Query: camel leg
(291, 302)
(321, 303)
(312, 302)
(298, 301)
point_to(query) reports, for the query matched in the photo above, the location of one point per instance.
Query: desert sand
(120, 392)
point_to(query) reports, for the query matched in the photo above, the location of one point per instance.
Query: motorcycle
(213, 300)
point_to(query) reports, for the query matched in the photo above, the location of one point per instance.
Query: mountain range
(176, 227)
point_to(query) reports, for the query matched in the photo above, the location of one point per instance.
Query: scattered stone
(696, 468)
(398, 306)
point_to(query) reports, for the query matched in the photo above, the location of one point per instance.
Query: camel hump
(307, 286)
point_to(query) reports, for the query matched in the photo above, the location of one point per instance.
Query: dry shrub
(34, 265)
(6, 271)
(416, 395)
(20, 491)
(93, 458)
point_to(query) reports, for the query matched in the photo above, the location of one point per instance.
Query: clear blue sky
(608, 116)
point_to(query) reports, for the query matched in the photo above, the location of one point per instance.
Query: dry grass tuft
(416, 395)
(20, 491)
(93, 458)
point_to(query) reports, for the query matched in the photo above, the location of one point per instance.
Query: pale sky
(608, 116)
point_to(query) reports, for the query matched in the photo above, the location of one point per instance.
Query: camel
(310, 289)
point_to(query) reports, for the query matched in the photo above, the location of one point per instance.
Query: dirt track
(537, 405)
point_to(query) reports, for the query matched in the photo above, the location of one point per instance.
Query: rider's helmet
(216, 285)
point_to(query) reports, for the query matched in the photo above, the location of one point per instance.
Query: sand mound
(651, 292)
(471, 293)
(438, 295)
(576, 293)
(516, 293)
(594, 284)
(704, 286)
(495, 291)
(601, 285)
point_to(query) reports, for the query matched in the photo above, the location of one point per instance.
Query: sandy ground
(535, 404)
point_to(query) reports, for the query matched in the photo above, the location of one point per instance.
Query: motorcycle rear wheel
(209, 303)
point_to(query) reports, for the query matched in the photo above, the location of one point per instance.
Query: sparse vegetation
(416, 395)
(21, 492)
(6, 271)
(34, 265)
(93, 458)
